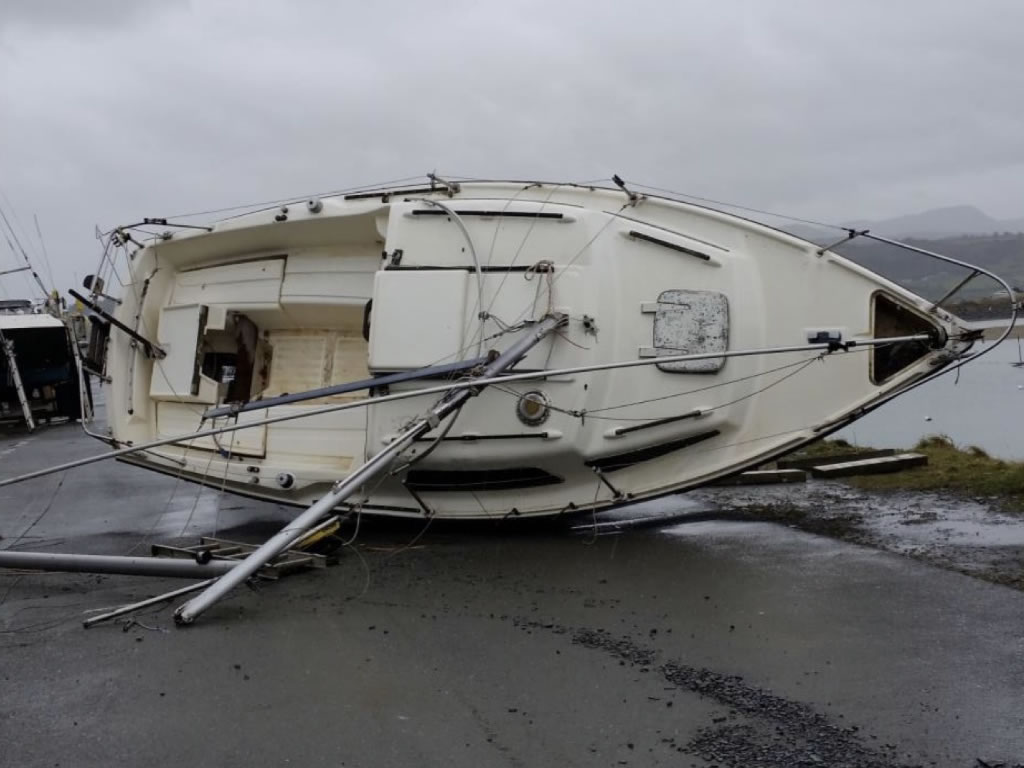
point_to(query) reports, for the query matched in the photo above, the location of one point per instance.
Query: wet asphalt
(688, 644)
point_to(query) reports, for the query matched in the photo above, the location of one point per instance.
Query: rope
(41, 515)
(587, 414)
(565, 268)
(526, 236)
(223, 480)
(476, 262)
(179, 476)
(699, 389)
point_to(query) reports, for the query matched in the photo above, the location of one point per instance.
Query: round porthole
(533, 408)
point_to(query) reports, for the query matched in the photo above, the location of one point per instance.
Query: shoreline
(963, 512)
(991, 333)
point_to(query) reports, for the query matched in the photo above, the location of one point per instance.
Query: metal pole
(84, 397)
(950, 260)
(1015, 306)
(145, 603)
(152, 350)
(131, 566)
(284, 538)
(12, 363)
(375, 382)
(457, 385)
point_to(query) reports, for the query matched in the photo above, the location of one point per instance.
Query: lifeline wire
(803, 364)
(528, 376)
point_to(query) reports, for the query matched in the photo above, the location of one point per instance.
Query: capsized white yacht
(620, 346)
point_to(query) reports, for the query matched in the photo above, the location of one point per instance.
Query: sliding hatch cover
(689, 323)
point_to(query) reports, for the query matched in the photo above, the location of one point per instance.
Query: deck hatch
(689, 323)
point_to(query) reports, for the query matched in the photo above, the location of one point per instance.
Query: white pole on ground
(131, 566)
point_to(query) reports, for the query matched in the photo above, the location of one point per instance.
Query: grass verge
(966, 471)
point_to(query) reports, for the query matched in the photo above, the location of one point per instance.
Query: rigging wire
(24, 253)
(265, 204)
(564, 268)
(590, 413)
(179, 476)
(737, 206)
(497, 229)
(412, 542)
(430, 448)
(476, 263)
(46, 256)
(224, 479)
(593, 513)
(522, 243)
(444, 388)
(585, 414)
(158, 363)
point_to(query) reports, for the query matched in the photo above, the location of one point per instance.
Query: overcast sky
(115, 109)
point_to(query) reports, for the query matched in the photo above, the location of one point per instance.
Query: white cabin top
(13, 322)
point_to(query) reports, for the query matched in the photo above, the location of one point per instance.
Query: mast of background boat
(450, 403)
(828, 347)
(24, 255)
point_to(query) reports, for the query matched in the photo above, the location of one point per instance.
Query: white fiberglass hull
(275, 303)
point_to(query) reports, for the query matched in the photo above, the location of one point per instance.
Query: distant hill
(1002, 254)
(941, 222)
(962, 232)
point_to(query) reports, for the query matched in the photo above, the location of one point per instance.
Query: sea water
(983, 405)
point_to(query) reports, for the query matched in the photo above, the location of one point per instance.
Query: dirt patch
(839, 525)
(759, 729)
(975, 536)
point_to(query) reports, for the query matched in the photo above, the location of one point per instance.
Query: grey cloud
(53, 16)
(825, 109)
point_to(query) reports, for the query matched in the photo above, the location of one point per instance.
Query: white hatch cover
(689, 323)
(179, 334)
(417, 318)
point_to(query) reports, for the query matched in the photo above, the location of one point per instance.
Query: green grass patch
(827, 448)
(968, 471)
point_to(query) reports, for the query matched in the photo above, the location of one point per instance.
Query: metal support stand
(211, 549)
(12, 363)
(295, 530)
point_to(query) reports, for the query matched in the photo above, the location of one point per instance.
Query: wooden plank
(766, 477)
(806, 462)
(876, 466)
